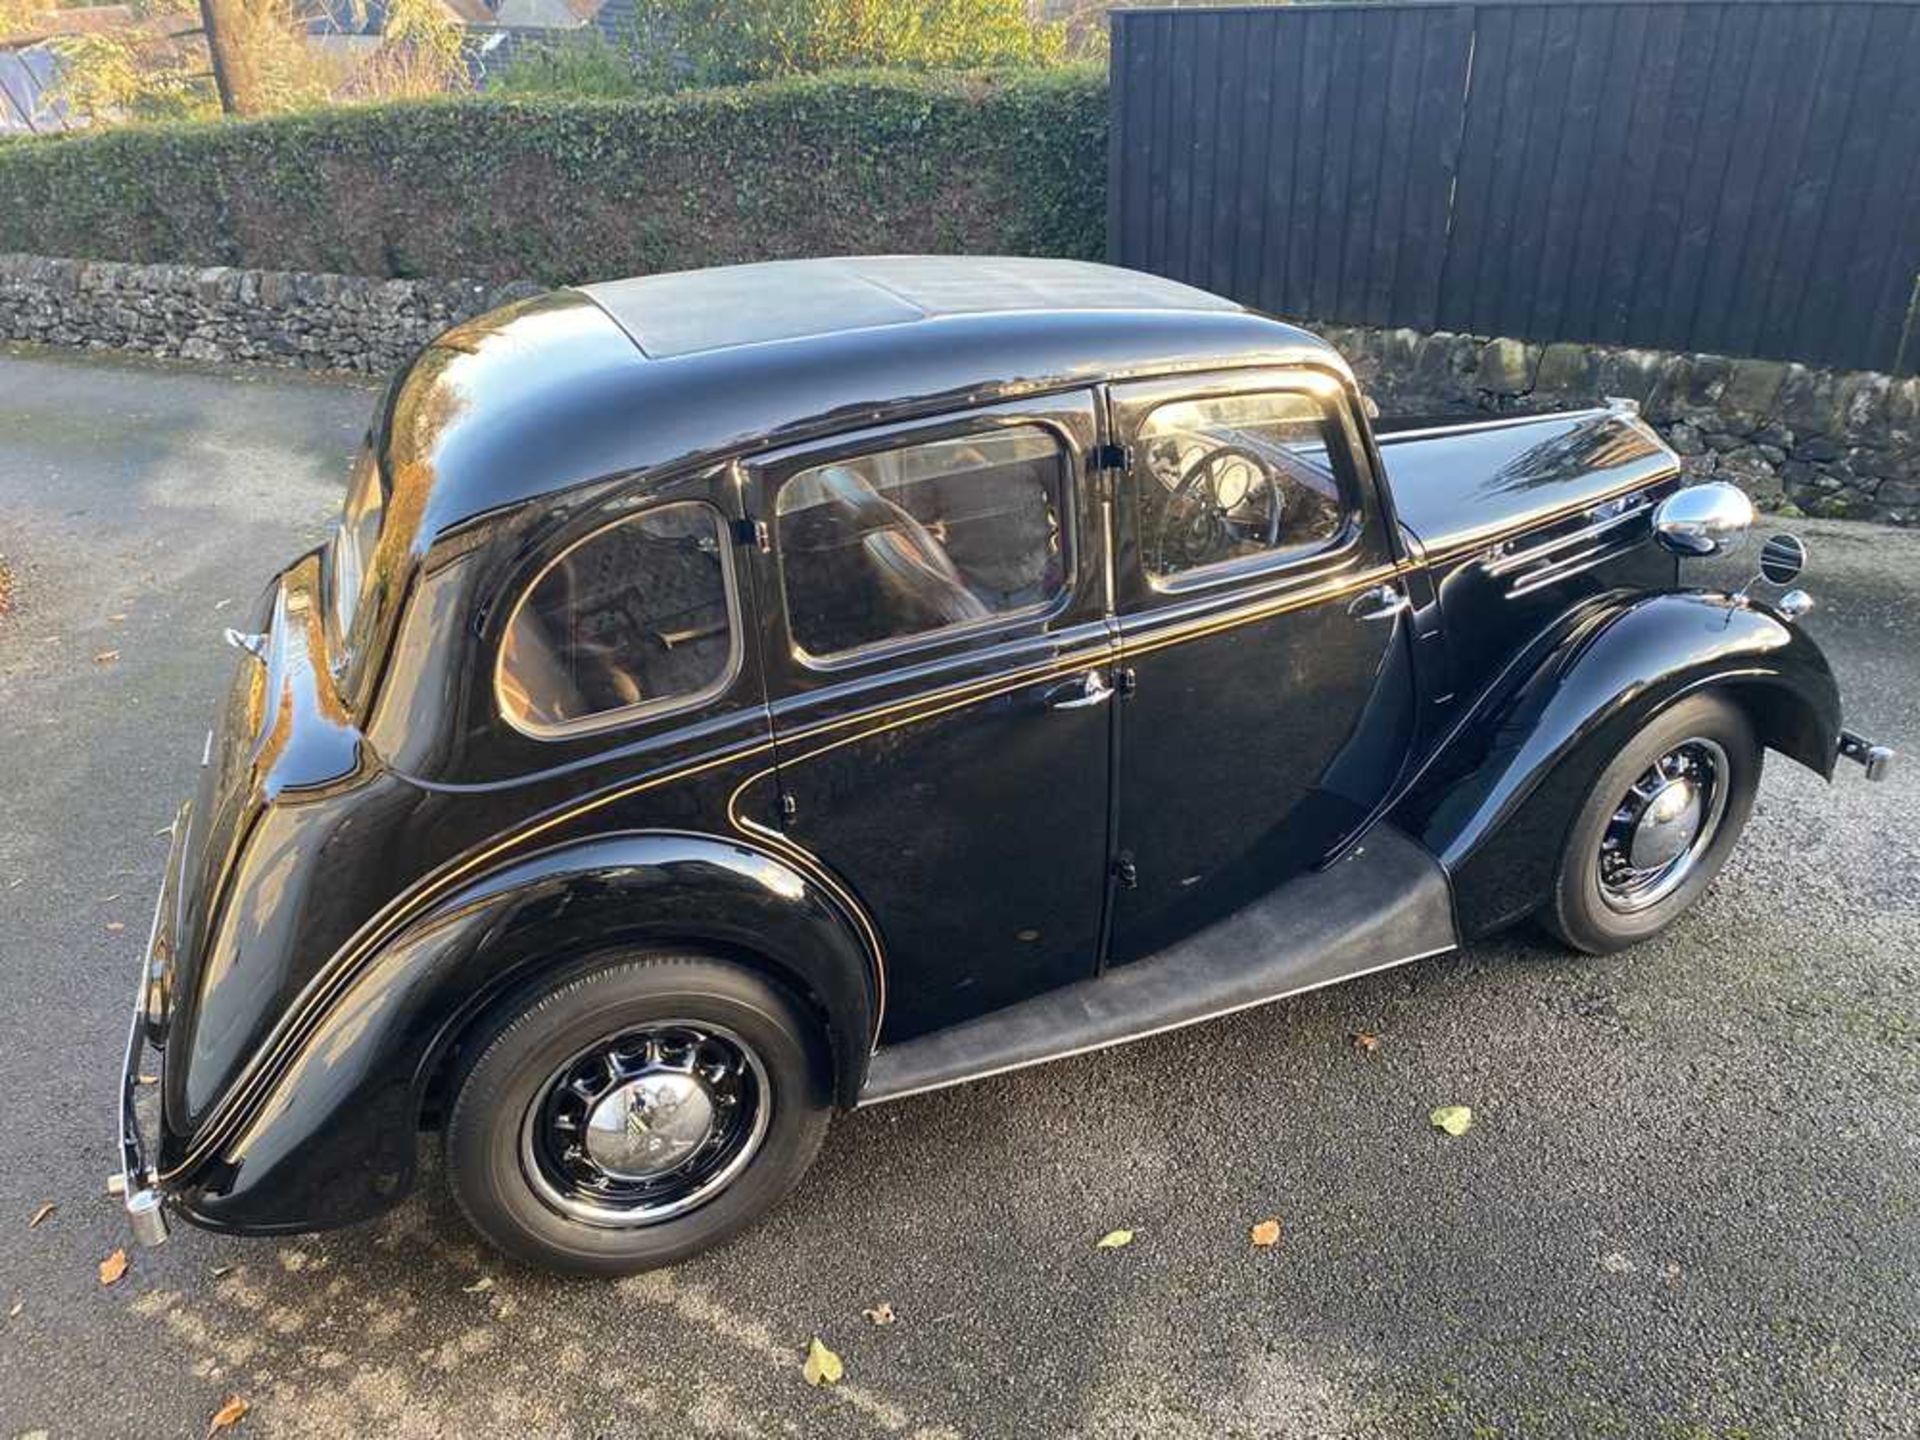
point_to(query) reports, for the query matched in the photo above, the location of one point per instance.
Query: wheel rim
(647, 1124)
(1663, 825)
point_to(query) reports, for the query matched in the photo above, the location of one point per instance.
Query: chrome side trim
(1573, 564)
(1221, 1014)
(1649, 474)
(1510, 561)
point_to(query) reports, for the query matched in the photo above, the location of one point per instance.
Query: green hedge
(567, 190)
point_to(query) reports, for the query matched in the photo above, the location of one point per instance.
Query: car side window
(1233, 477)
(635, 618)
(916, 539)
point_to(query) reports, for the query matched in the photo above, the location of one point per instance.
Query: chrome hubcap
(646, 1125)
(1663, 825)
(1667, 825)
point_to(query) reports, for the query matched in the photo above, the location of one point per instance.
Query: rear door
(1264, 642)
(933, 606)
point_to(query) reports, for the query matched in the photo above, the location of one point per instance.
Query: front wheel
(1656, 827)
(636, 1114)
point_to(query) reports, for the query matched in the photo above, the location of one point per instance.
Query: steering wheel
(1226, 498)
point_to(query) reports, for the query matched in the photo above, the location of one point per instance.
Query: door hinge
(789, 808)
(752, 532)
(1125, 871)
(1110, 457)
(1126, 680)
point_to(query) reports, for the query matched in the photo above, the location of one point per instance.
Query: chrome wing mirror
(1709, 519)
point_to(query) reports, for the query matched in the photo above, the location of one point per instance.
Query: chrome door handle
(1093, 689)
(1383, 602)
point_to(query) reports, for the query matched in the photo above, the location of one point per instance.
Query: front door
(1263, 638)
(938, 654)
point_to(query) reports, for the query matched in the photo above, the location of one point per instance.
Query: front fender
(1495, 801)
(329, 1133)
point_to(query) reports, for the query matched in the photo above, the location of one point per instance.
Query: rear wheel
(637, 1114)
(1657, 826)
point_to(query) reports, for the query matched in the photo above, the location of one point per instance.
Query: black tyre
(637, 1113)
(1656, 827)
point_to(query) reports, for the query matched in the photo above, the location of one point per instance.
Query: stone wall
(1799, 440)
(317, 322)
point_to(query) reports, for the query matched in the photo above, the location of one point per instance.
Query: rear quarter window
(638, 618)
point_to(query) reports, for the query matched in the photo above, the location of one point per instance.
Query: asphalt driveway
(1689, 1205)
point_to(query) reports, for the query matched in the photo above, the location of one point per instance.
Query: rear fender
(330, 1131)
(1497, 798)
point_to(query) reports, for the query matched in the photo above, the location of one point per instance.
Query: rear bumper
(137, 1184)
(1876, 760)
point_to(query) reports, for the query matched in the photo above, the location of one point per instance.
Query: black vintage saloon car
(734, 695)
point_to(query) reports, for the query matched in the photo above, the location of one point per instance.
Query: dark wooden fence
(1685, 174)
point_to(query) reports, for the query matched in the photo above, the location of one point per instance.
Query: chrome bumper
(1876, 760)
(136, 1184)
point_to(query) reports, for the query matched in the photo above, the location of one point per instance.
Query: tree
(152, 69)
(421, 53)
(232, 28)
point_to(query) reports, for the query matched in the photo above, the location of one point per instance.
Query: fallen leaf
(823, 1367)
(480, 1286)
(42, 1213)
(881, 1314)
(106, 657)
(228, 1415)
(1265, 1234)
(1114, 1240)
(1365, 1041)
(113, 1267)
(1454, 1119)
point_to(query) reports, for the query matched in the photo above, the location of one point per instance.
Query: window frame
(1349, 474)
(939, 430)
(645, 709)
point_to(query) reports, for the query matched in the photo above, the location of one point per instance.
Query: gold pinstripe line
(337, 973)
(1215, 622)
(809, 865)
(955, 700)
(391, 917)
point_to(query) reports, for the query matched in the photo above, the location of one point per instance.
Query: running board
(1385, 904)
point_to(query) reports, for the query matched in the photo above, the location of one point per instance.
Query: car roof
(694, 311)
(647, 376)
